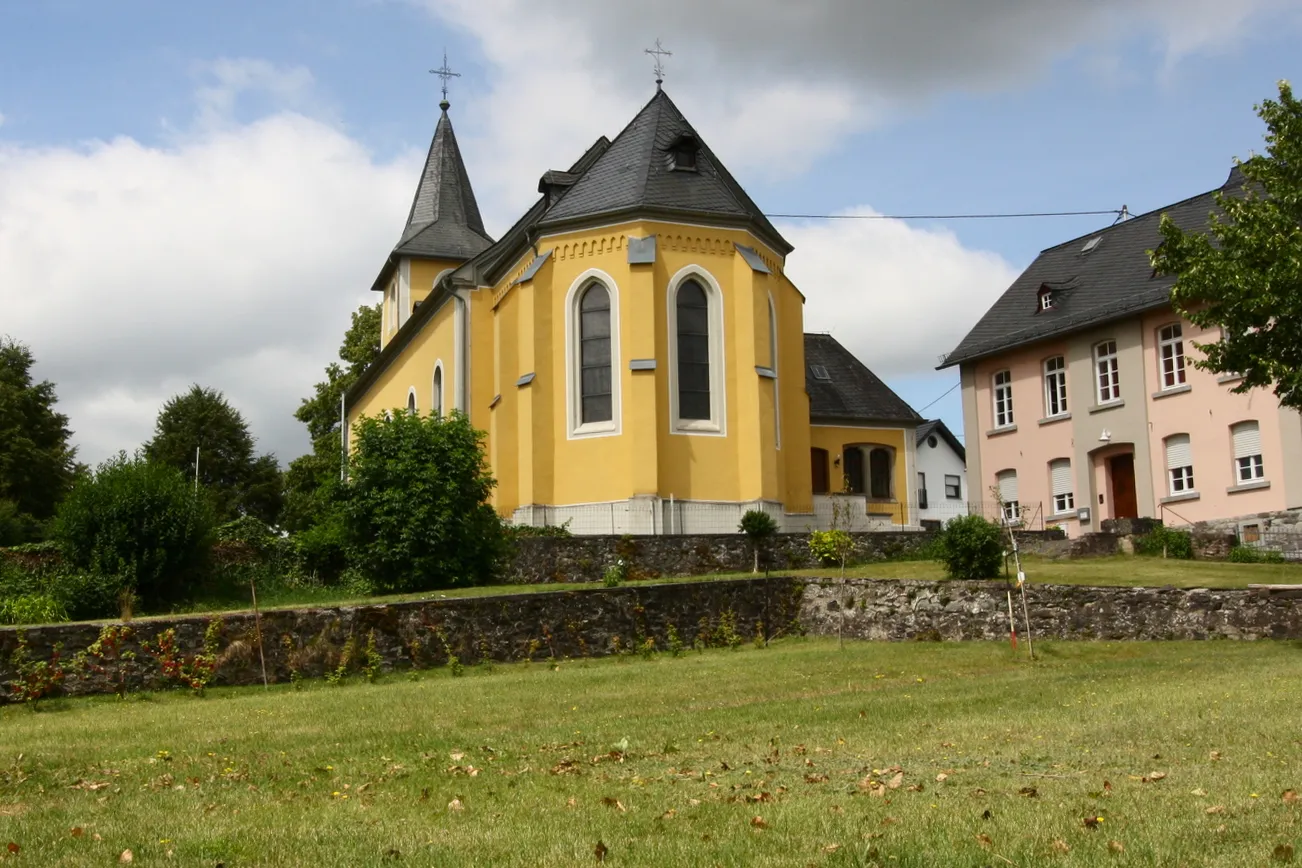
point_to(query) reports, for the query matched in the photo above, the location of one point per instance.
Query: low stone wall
(585, 558)
(897, 610)
(315, 642)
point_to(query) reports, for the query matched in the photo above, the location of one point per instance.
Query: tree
(37, 463)
(971, 547)
(308, 477)
(141, 522)
(415, 505)
(758, 527)
(240, 482)
(1245, 274)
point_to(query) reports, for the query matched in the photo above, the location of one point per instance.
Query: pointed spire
(444, 220)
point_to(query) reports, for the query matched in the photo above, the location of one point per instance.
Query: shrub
(1242, 554)
(37, 570)
(615, 574)
(32, 609)
(415, 508)
(1164, 540)
(971, 547)
(139, 522)
(758, 526)
(831, 547)
(554, 531)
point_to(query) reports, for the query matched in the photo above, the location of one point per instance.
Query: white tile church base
(651, 515)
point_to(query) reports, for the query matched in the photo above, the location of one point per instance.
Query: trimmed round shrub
(140, 522)
(971, 548)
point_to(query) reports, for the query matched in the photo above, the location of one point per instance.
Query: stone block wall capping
(1110, 405)
(1174, 390)
(1182, 496)
(1007, 429)
(1061, 417)
(1258, 485)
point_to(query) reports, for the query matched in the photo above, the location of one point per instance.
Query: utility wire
(947, 391)
(1115, 211)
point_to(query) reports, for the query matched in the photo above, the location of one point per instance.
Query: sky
(202, 192)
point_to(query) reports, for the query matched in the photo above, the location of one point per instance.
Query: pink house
(1081, 402)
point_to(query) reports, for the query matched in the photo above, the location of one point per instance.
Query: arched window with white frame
(436, 390)
(696, 372)
(411, 401)
(592, 349)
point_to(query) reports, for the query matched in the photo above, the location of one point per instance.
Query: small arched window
(595, 374)
(411, 401)
(436, 399)
(693, 351)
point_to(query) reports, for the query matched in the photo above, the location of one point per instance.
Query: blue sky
(241, 109)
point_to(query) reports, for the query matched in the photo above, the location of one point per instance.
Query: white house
(942, 473)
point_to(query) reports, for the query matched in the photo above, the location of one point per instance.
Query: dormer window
(1046, 299)
(682, 153)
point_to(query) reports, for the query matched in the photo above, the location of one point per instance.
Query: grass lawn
(954, 754)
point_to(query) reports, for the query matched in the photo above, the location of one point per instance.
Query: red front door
(1122, 470)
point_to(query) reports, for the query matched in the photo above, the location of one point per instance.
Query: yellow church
(634, 349)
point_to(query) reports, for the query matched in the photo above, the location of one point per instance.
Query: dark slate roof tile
(940, 429)
(444, 220)
(854, 393)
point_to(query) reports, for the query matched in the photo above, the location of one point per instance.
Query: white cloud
(287, 87)
(896, 295)
(230, 258)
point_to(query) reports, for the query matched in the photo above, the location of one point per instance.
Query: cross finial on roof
(445, 73)
(660, 53)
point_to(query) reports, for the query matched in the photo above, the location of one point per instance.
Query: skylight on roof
(1091, 244)
(819, 372)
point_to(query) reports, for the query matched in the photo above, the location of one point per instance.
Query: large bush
(971, 548)
(140, 522)
(415, 508)
(1165, 542)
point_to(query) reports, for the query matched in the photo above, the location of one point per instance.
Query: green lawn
(954, 754)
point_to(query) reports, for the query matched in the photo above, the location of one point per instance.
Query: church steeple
(444, 220)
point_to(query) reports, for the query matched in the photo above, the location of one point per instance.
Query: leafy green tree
(307, 481)
(141, 522)
(37, 463)
(415, 506)
(1245, 275)
(971, 547)
(238, 481)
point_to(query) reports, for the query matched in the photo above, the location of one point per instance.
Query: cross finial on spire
(445, 73)
(659, 52)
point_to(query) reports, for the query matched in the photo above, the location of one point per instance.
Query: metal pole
(257, 623)
(196, 471)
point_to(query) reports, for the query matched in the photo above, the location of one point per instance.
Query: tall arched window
(693, 351)
(881, 470)
(436, 399)
(595, 374)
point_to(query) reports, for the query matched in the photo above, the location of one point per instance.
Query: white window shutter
(1060, 476)
(1247, 439)
(1008, 486)
(1178, 453)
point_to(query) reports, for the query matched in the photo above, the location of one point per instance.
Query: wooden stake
(1030, 650)
(1012, 621)
(257, 625)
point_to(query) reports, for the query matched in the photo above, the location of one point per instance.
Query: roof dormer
(682, 152)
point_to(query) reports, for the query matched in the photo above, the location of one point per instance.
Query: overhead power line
(947, 391)
(1119, 212)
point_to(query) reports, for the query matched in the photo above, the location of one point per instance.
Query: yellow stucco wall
(415, 369)
(835, 438)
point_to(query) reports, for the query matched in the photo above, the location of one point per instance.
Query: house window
(854, 481)
(1046, 300)
(1003, 399)
(1179, 464)
(953, 487)
(436, 403)
(922, 491)
(595, 375)
(1012, 507)
(819, 470)
(1055, 387)
(1105, 366)
(1171, 353)
(1060, 484)
(592, 348)
(1247, 452)
(696, 353)
(881, 466)
(411, 401)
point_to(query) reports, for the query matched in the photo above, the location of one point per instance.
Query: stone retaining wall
(585, 558)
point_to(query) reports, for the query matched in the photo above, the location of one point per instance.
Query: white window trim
(1115, 370)
(413, 405)
(575, 428)
(1162, 344)
(773, 363)
(438, 397)
(995, 387)
(1061, 393)
(716, 425)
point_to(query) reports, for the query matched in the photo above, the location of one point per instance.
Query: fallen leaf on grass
(815, 779)
(1060, 846)
(1214, 755)
(669, 814)
(76, 831)
(1216, 809)
(456, 756)
(1290, 796)
(831, 848)
(1153, 776)
(1283, 853)
(894, 783)
(758, 822)
(92, 786)
(693, 802)
(600, 851)
(571, 802)
(1029, 792)
(760, 797)
(984, 840)
(455, 805)
(13, 848)
(1092, 822)
(612, 802)
(1116, 847)
(941, 778)
(889, 821)
(126, 856)
(1198, 792)
(916, 788)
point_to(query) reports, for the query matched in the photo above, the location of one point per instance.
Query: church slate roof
(1112, 280)
(851, 394)
(634, 175)
(444, 220)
